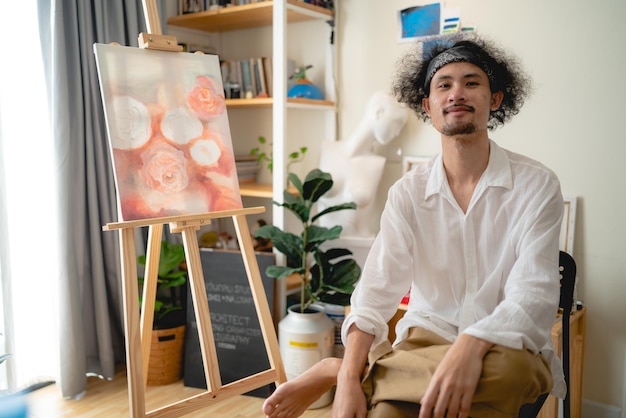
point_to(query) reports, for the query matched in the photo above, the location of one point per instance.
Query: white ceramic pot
(337, 313)
(304, 340)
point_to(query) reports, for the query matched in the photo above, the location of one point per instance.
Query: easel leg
(136, 389)
(201, 308)
(149, 294)
(260, 299)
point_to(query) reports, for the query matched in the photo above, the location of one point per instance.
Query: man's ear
(426, 105)
(496, 100)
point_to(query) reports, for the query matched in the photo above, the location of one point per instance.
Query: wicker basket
(166, 356)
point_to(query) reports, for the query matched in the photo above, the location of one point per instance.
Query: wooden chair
(567, 269)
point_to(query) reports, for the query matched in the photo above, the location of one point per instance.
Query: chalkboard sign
(240, 347)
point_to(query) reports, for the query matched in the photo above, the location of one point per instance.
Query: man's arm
(454, 382)
(349, 398)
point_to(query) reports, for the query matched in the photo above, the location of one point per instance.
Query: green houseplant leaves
(327, 275)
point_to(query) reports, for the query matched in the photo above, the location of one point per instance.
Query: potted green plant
(172, 276)
(328, 275)
(168, 331)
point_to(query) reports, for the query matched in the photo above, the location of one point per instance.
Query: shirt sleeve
(524, 318)
(387, 274)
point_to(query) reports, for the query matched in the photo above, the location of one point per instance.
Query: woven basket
(166, 356)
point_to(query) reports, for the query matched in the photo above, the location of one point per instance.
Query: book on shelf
(247, 78)
(269, 77)
(260, 77)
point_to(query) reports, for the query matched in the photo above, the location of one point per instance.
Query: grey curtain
(92, 339)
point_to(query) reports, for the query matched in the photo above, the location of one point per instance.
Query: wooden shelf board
(269, 101)
(246, 16)
(261, 190)
(256, 190)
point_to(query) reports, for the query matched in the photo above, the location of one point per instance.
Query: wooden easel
(138, 329)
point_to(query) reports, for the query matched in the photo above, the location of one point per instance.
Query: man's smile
(458, 108)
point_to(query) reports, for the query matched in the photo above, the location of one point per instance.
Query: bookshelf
(242, 23)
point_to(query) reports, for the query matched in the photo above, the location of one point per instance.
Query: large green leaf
(281, 271)
(316, 235)
(316, 184)
(339, 277)
(171, 256)
(297, 206)
(295, 180)
(343, 206)
(285, 242)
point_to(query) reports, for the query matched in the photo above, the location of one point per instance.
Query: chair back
(567, 270)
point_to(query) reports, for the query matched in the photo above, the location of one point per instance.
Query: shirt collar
(497, 174)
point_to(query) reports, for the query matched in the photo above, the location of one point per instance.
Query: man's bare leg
(292, 398)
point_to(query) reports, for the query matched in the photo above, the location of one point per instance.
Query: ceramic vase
(304, 340)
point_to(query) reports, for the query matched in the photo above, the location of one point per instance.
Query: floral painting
(168, 132)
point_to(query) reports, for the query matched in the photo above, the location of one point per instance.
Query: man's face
(460, 99)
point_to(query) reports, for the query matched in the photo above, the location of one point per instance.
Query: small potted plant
(169, 315)
(264, 156)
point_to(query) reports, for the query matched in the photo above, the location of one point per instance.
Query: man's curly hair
(506, 75)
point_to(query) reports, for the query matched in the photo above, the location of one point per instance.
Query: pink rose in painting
(164, 168)
(206, 98)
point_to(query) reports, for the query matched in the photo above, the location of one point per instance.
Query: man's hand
(349, 400)
(453, 384)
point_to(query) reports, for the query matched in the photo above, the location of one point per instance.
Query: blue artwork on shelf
(419, 21)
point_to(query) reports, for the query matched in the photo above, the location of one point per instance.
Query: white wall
(575, 52)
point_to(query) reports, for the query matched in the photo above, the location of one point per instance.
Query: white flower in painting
(181, 126)
(205, 152)
(131, 126)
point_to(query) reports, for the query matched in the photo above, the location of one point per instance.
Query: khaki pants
(398, 377)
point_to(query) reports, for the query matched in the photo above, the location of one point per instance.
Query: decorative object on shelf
(268, 156)
(304, 88)
(166, 349)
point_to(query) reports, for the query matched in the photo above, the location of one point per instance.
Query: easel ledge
(183, 220)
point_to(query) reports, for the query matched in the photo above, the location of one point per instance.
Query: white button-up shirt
(491, 272)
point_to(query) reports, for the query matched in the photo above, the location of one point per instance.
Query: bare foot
(292, 398)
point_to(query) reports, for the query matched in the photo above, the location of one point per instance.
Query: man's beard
(453, 130)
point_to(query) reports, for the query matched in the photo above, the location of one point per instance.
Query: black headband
(458, 53)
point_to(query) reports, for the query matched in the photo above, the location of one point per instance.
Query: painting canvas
(168, 132)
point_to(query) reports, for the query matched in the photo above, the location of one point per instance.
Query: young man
(474, 234)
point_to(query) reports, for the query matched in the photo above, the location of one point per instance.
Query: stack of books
(247, 168)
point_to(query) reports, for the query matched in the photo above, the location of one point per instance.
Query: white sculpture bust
(356, 170)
